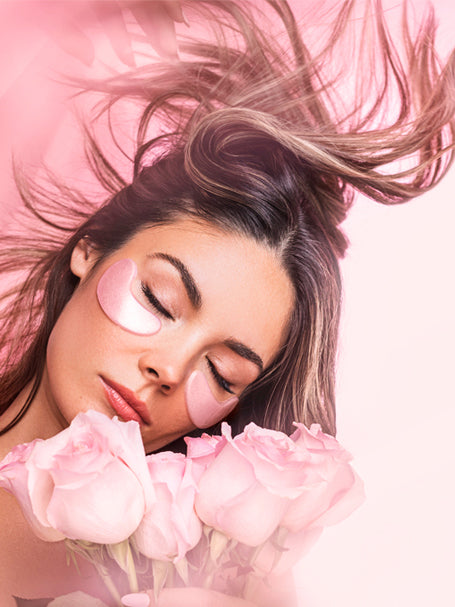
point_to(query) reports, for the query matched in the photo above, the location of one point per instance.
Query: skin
(279, 592)
(245, 295)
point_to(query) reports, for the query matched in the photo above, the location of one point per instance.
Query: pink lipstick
(125, 402)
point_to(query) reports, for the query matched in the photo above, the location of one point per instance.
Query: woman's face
(218, 306)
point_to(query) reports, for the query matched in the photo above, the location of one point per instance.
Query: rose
(170, 528)
(202, 450)
(332, 489)
(246, 489)
(89, 482)
(14, 477)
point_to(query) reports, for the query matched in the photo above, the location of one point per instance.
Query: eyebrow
(191, 289)
(195, 298)
(244, 352)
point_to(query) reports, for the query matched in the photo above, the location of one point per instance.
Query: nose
(168, 368)
(153, 376)
(164, 377)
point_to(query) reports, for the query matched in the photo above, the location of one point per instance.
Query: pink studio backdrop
(396, 409)
(396, 405)
(396, 412)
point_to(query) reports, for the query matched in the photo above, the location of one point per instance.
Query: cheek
(203, 408)
(118, 302)
(72, 359)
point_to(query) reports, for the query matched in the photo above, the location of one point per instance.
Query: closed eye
(225, 385)
(155, 302)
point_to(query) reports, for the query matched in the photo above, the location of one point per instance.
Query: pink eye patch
(118, 302)
(203, 408)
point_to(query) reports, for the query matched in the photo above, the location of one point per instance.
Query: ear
(82, 258)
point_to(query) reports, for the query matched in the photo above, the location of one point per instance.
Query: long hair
(256, 138)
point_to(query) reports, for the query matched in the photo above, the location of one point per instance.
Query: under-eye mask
(118, 302)
(203, 408)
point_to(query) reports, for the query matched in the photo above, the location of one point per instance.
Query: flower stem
(131, 570)
(109, 584)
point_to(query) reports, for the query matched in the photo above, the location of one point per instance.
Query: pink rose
(247, 488)
(332, 489)
(170, 528)
(202, 451)
(14, 477)
(89, 482)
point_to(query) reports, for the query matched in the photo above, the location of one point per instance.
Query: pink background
(396, 405)
(396, 412)
(396, 409)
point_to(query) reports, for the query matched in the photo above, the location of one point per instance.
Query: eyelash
(219, 378)
(155, 302)
(161, 310)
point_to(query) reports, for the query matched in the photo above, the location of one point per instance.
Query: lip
(125, 402)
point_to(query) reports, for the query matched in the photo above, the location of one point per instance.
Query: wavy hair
(259, 135)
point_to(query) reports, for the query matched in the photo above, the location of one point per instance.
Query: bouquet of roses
(230, 513)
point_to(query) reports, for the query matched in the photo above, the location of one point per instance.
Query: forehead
(246, 294)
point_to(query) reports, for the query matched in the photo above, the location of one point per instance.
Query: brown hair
(256, 140)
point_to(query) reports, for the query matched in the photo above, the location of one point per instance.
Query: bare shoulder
(32, 568)
(11, 544)
(23, 557)
(275, 591)
(6, 523)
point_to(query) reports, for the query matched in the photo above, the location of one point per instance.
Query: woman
(227, 239)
